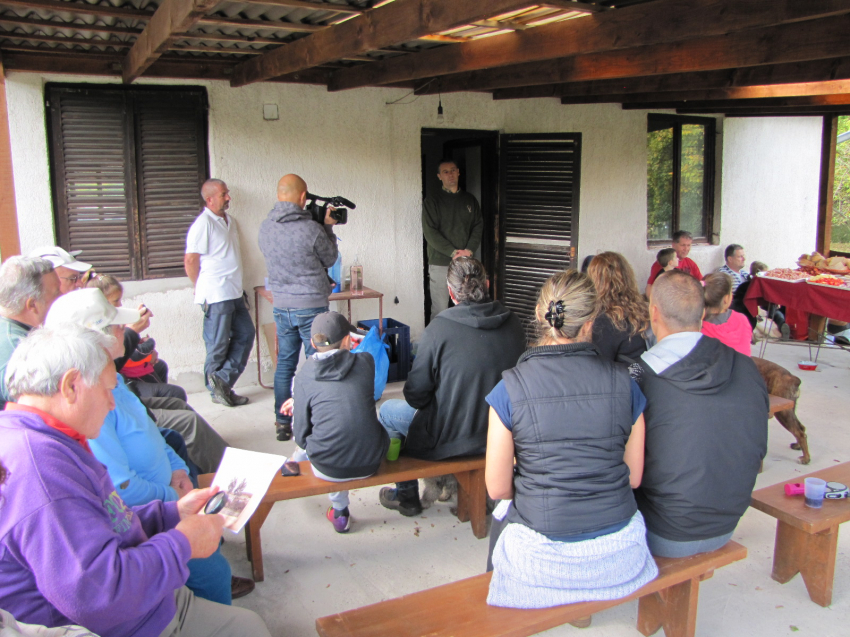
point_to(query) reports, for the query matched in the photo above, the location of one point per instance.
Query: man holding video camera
(298, 250)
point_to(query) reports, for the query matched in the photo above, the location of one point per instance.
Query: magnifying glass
(216, 503)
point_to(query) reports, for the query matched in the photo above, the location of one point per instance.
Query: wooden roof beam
(793, 111)
(313, 6)
(818, 101)
(171, 18)
(809, 71)
(655, 22)
(733, 93)
(811, 40)
(390, 24)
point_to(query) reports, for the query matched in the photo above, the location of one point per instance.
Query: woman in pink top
(727, 326)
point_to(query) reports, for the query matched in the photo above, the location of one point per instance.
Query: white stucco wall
(356, 145)
(771, 173)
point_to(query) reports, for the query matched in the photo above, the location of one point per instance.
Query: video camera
(319, 210)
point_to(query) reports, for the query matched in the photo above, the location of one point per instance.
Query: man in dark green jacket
(452, 225)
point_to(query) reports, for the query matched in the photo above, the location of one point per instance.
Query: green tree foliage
(660, 173)
(841, 192)
(659, 177)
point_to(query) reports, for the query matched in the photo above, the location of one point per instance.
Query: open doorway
(476, 154)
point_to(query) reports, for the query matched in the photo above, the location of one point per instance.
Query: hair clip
(555, 314)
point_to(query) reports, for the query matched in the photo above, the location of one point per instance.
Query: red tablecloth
(815, 299)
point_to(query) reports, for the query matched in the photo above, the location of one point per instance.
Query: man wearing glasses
(72, 273)
(452, 225)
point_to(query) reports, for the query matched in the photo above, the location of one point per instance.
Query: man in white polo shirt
(214, 264)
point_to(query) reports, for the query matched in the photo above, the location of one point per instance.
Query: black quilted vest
(572, 416)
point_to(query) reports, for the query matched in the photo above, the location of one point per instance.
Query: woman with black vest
(564, 451)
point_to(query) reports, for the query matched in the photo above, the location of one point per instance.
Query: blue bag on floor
(374, 344)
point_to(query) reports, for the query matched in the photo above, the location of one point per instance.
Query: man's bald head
(679, 300)
(293, 189)
(216, 196)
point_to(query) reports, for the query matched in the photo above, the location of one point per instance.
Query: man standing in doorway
(682, 241)
(298, 250)
(214, 265)
(452, 225)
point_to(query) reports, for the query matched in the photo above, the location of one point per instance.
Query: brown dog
(781, 382)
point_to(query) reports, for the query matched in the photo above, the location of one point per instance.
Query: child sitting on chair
(334, 421)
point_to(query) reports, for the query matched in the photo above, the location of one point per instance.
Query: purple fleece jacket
(71, 551)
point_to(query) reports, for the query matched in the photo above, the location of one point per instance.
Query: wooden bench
(777, 403)
(460, 609)
(806, 538)
(471, 493)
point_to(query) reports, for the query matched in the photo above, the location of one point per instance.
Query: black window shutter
(538, 202)
(171, 160)
(127, 166)
(90, 173)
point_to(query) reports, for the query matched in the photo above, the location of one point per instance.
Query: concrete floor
(310, 571)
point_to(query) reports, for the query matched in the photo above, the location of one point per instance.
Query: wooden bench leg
(674, 609)
(472, 501)
(583, 622)
(811, 555)
(253, 544)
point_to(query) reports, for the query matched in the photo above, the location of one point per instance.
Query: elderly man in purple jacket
(71, 551)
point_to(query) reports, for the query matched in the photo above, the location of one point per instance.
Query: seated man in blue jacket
(142, 466)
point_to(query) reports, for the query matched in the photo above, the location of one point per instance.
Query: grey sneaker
(390, 499)
(221, 390)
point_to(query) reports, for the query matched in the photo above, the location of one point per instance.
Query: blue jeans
(293, 329)
(661, 547)
(396, 415)
(228, 336)
(209, 577)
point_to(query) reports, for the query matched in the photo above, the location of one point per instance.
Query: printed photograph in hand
(245, 477)
(237, 498)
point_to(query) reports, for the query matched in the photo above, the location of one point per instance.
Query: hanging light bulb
(440, 118)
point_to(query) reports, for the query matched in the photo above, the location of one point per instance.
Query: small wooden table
(347, 295)
(806, 538)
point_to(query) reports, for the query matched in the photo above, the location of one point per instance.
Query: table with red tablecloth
(825, 301)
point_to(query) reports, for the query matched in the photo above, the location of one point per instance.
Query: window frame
(139, 270)
(710, 123)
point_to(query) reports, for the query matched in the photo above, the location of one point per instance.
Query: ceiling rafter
(809, 71)
(171, 18)
(390, 24)
(656, 22)
(835, 87)
(786, 43)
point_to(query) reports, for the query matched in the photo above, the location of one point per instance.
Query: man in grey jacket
(298, 252)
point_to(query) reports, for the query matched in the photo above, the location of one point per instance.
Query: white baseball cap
(59, 257)
(89, 308)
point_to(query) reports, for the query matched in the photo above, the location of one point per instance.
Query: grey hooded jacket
(298, 252)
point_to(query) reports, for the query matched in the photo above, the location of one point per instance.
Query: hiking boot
(238, 400)
(284, 430)
(408, 506)
(221, 390)
(785, 330)
(340, 519)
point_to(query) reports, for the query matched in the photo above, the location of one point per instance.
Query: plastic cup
(395, 448)
(815, 490)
